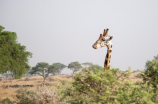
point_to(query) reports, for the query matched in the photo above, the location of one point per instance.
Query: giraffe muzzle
(94, 46)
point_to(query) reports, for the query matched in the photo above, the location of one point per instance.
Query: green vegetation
(13, 55)
(60, 67)
(7, 101)
(92, 67)
(150, 75)
(44, 69)
(75, 66)
(108, 87)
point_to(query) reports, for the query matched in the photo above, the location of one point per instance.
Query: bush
(7, 101)
(108, 87)
(150, 74)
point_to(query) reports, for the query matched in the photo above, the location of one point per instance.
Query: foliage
(108, 87)
(44, 69)
(60, 67)
(96, 68)
(7, 101)
(13, 55)
(150, 74)
(75, 66)
(87, 64)
(92, 67)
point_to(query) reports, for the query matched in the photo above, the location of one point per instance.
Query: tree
(75, 66)
(60, 66)
(13, 55)
(92, 67)
(44, 69)
(150, 74)
(87, 64)
(96, 68)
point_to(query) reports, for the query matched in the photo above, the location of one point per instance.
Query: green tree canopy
(96, 68)
(60, 66)
(75, 66)
(44, 69)
(151, 72)
(93, 67)
(87, 64)
(13, 55)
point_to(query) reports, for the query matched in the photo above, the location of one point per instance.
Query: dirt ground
(36, 81)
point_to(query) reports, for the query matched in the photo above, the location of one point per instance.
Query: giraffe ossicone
(105, 40)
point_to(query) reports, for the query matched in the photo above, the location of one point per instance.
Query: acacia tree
(60, 66)
(92, 67)
(96, 68)
(75, 66)
(44, 69)
(13, 55)
(87, 64)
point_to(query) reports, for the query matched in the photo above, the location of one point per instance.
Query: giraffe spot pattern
(107, 55)
(105, 62)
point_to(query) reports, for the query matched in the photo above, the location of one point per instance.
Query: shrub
(150, 74)
(106, 87)
(7, 101)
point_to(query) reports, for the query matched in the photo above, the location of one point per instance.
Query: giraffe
(105, 40)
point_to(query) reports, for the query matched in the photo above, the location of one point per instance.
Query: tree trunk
(44, 81)
(73, 73)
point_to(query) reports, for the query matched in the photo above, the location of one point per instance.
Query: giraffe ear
(105, 32)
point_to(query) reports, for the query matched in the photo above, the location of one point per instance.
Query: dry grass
(34, 80)
(37, 81)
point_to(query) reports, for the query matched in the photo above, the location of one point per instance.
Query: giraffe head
(104, 40)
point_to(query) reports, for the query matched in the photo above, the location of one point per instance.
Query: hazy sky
(65, 30)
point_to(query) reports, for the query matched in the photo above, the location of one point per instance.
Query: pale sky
(65, 30)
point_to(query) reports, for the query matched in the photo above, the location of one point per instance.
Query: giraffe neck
(108, 57)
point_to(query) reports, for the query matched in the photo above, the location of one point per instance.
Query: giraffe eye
(103, 39)
(111, 37)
